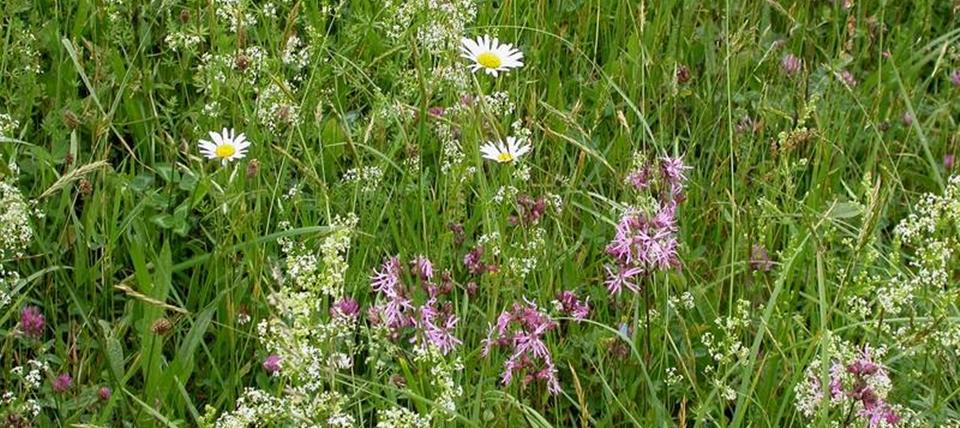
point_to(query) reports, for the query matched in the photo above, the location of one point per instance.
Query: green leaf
(842, 210)
(166, 172)
(142, 182)
(165, 221)
(188, 182)
(114, 351)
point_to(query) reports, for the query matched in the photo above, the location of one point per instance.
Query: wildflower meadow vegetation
(479, 213)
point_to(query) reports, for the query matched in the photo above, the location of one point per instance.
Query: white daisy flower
(490, 56)
(226, 146)
(505, 151)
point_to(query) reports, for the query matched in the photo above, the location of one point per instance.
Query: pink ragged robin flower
(436, 326)
(422, 268)
(521, 329)
(672, 169)
(571, 305)
(388, 282)
(620, 277)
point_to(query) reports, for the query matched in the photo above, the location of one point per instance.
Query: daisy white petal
(490, 56)
(226, 146)
(518, 147)
(504, 151)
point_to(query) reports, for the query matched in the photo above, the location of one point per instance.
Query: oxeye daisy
(226, 146)
(505, 151)
(490, 56)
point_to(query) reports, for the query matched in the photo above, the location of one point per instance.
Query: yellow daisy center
(505, 157)
(489, 60)
(225, 150)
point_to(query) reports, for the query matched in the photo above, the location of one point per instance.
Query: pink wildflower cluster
(473, 260)
(272, 364)
(529, 211)
(62, 383)
(760, 259)
(646, 241)
(31, 322)
(521, 330)
(396, 311)
(433, 321)
(865, 374)
(345, 310)
(861, 383)
(569, 304)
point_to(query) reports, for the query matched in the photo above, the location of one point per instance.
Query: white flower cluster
(276, 107)
(684, 300)
(447, 391)
(23, 45)
(491, 242)
(497, 104)
(453, 78)
(868, 284)
(930, 211)
(525, 256)
(248, 63)
(308, 347)
(401, 417)
(932, 232)
(212, 109)
(520, 131)
(380, 347)
(334, 250)
(728, 352)
(322, 274)
(8, 125)
(368, 178)
(302, 264)
(439, 24)
(673, 378)
(235, 12)
(253, 407)
(522, 172)
(269, 10)
(10, 402)
(505, 194)
(8, 280)
(33, 377)
(948, 338)
(295, 54)
(182, 41)
(15, 229)
(260, 408)
(452, 155)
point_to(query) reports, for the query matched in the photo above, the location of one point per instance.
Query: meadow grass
(813, 282)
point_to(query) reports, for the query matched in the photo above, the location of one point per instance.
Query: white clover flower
(490, 56)
(226, 146)
(505, 151)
